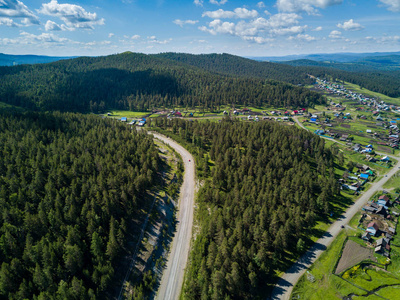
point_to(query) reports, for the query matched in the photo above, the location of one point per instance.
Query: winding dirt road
(172, 279)
(284, 286)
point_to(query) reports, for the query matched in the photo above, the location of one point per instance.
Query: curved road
(284, 286)
(172, 279)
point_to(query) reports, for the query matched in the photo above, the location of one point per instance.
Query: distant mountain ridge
(12, 60)
(325, 57)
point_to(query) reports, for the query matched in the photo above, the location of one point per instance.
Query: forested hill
(269, 184)
(140, 82)
(238, 66)
(71, 187)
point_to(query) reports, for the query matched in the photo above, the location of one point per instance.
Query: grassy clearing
(393, 182)
(326, 285)
(329, 286)
(128, 114)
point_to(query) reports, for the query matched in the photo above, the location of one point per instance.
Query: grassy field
(393, 182)
(358, 281)
(326, 285)
(128, 114)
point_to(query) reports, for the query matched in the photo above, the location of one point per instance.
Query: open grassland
(393, 182)
(326, 284)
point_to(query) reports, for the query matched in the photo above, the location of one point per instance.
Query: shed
(372, 228)
(382, 211)
(364, 176)
(383, 197)
(313, 120)
(366, 236)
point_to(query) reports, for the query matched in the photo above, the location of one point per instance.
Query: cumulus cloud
(383, 39)
(392, 5)
(258, 30)
(258, 39)
(350, 25)
(303, 37)
(289, 30)
(241, 13)
(14, 9)
(184, 22)
(72, 15)
(30, 38)
(110, 35)
(319, 28)
(217, 26)
(198, 2)
(153, 39)
(308, 6)
(8, 22)
(260, 4)
(221, 2)
(52, 26)
(335, 34)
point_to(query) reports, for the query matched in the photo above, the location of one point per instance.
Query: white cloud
(153, 39)
(184, 22)
(259, 30)
(308, 6)
(222, 2)
(73, 15)
(136, 37)
(14, 9)
(8, 22)
(335, 34)
(258, 39)
(319, 28)
(383, 39)
(289, 30)
(52, 26)
(244, 13)
(260, 4)
(29, 38)
(198, 2)
(217, 26)
(219, 14)
(110, 35)
(350, 25)
(241, 13)
(303, 37)
(283, 19)
(393, 5)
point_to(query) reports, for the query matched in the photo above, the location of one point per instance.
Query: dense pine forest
(239, 66)
(71, 187)
(266, 187)
(133, 81)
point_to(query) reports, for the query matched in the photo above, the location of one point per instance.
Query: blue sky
(246, 28)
